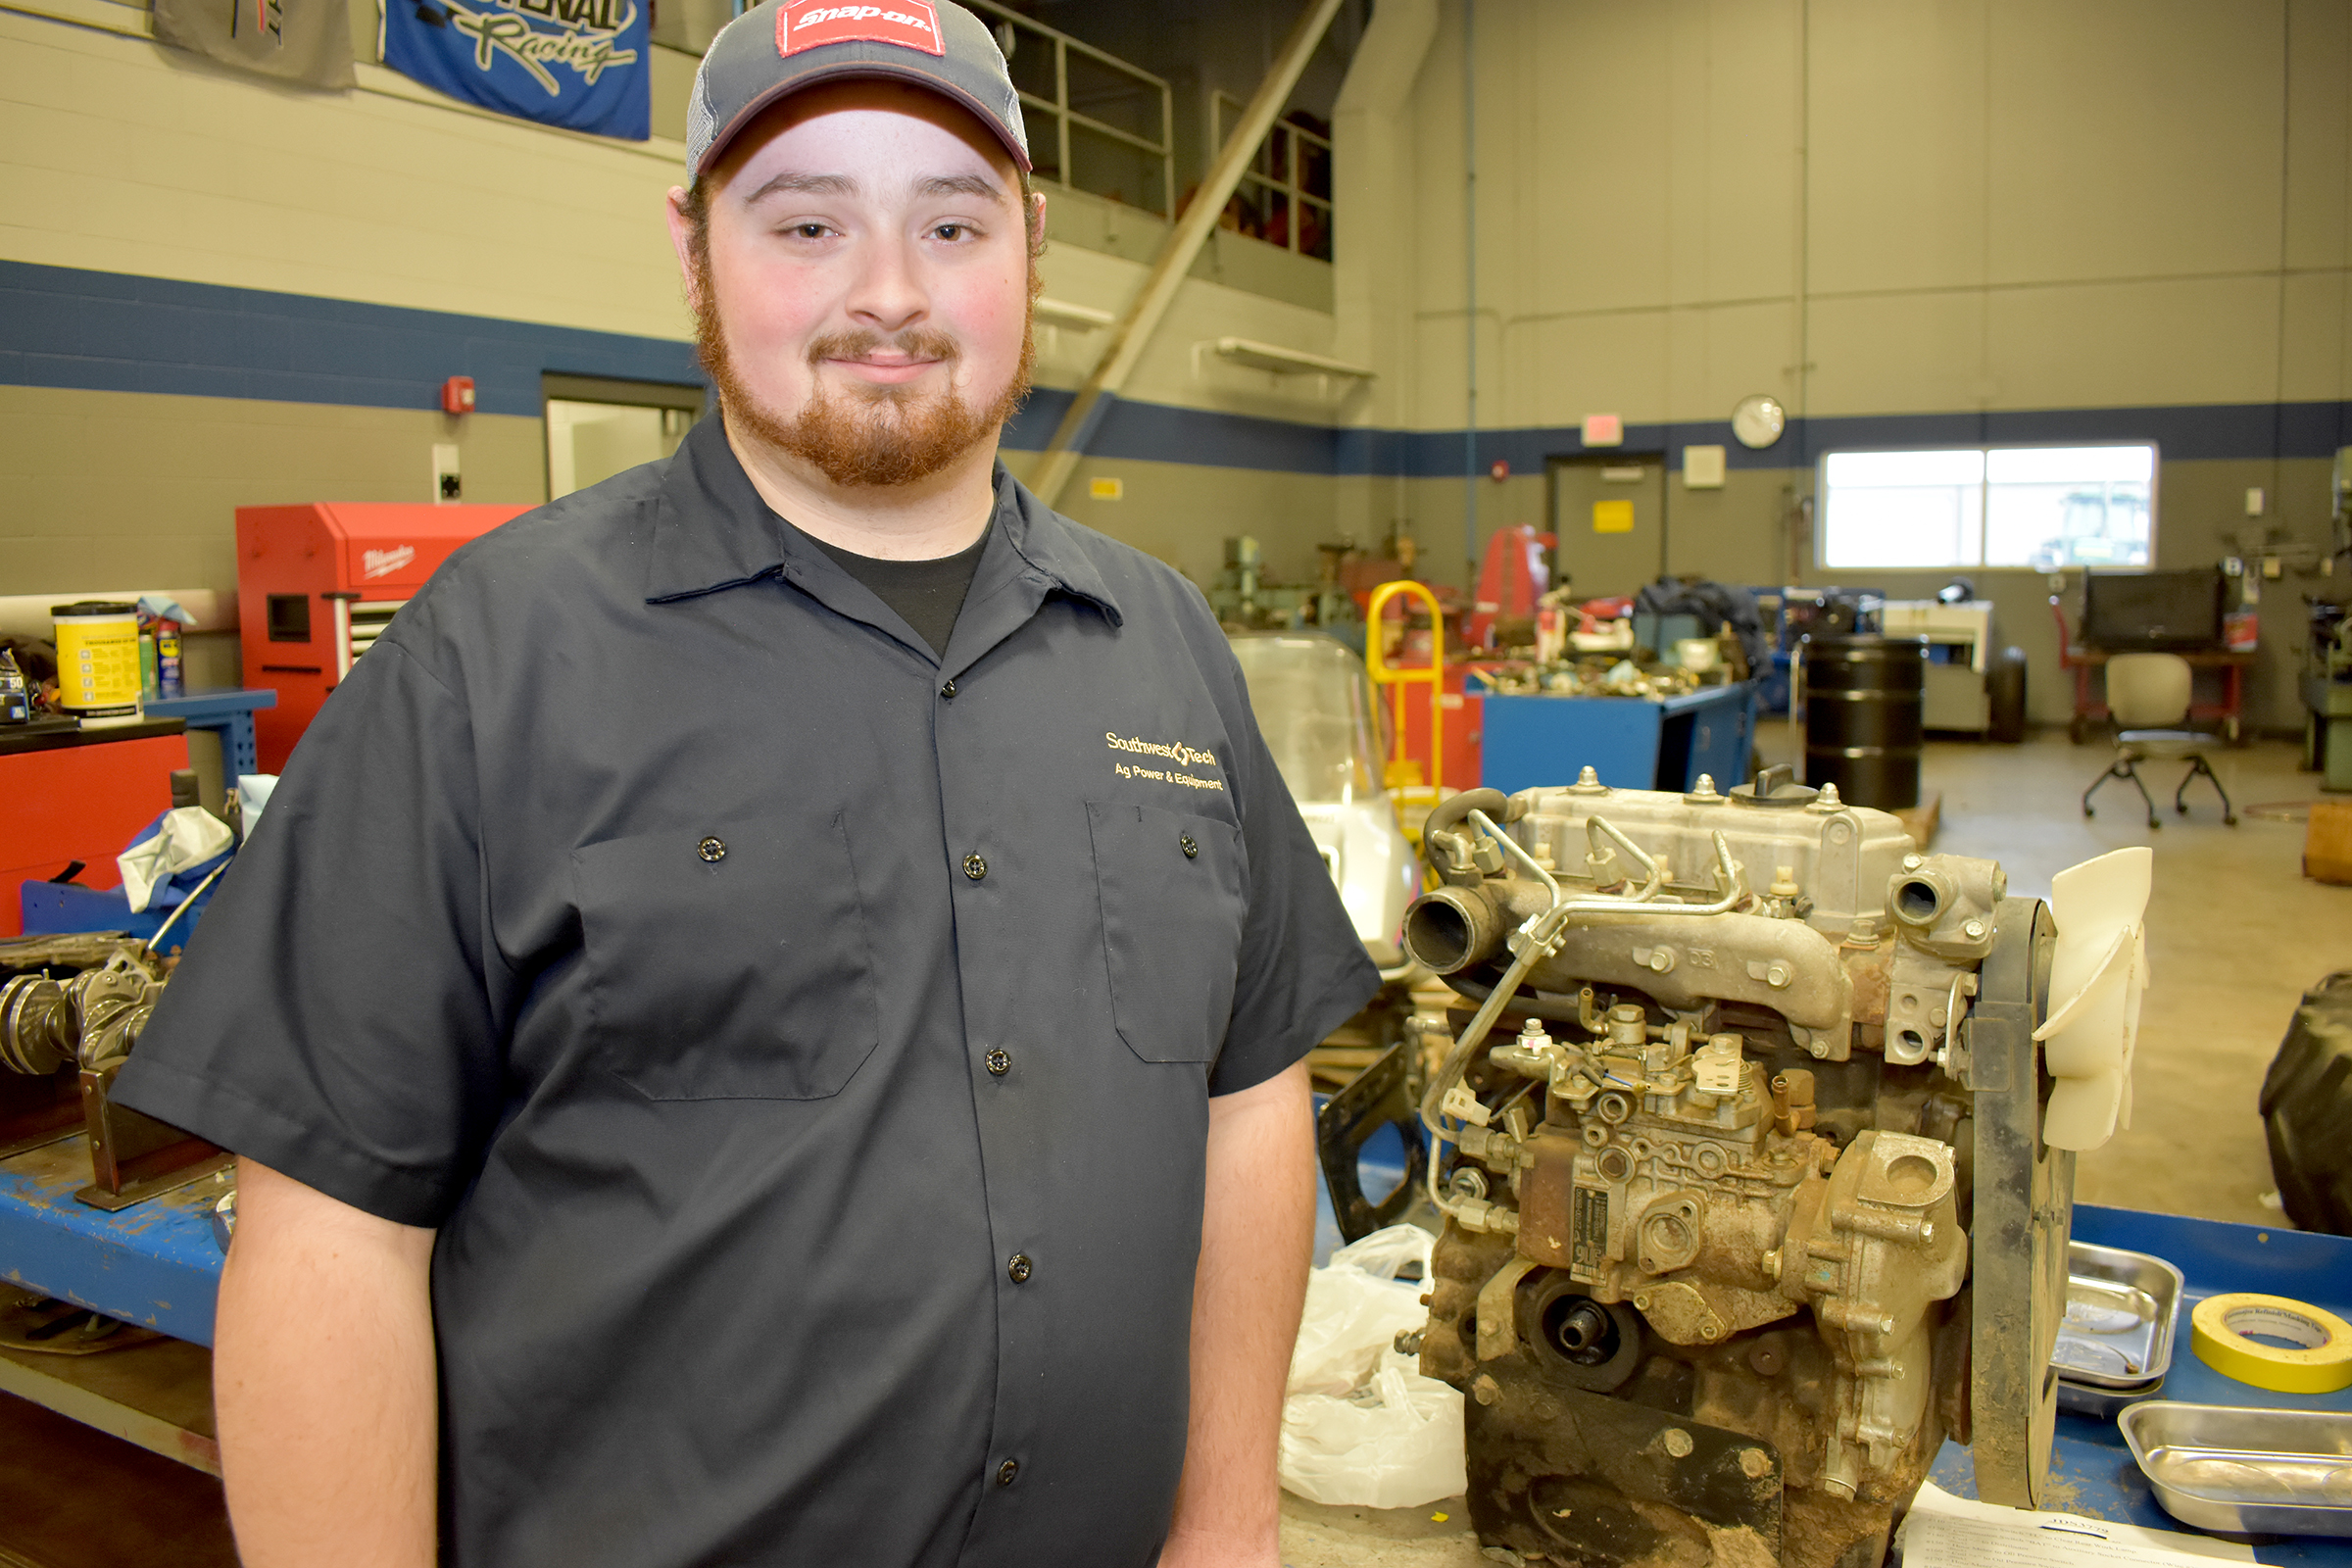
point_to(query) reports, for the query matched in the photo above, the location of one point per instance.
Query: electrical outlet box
(447, 485)
(2254, 500)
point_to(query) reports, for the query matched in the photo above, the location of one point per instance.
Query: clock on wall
(1758, 420)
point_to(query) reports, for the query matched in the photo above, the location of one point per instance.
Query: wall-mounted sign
(1702, 467)
(1107, 489)
(577, 63)
(1612, 516)
(1604, 430)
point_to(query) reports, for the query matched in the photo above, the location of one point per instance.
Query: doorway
(1609, 511)
(598, 426)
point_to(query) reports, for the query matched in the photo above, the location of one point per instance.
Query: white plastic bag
(1361, 1425)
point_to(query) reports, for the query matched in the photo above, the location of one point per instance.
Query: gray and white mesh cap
(778, 48)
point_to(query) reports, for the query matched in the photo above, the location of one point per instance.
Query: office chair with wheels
(2148, 696)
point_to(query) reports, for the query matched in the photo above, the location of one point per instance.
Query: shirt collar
(712, 530)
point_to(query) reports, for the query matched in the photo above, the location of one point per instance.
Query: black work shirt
(803, 1044)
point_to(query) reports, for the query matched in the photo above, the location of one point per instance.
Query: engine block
(1714, 1112)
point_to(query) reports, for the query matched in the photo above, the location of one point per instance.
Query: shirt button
(1018, 1267)
(974, 866)
(999, 1062)
(949, 689)
(1190, 848)
(712, 850)
(1006, 1471)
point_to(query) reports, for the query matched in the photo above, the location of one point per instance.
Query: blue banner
(577, 63)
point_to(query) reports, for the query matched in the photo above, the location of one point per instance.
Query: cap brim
(848, 70)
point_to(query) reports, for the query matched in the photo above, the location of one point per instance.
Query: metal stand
(135, 1158)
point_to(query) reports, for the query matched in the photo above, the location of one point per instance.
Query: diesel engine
(1742, 1156)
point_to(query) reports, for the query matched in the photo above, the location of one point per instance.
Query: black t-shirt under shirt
(928, 595)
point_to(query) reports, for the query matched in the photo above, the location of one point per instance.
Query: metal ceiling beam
(1132, 333)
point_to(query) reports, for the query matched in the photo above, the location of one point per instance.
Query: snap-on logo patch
(910, 24)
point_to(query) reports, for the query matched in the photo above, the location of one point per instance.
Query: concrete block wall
(1915, 223)
(218, 291)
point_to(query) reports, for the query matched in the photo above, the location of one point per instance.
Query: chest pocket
(730, 963)
(1172, 912)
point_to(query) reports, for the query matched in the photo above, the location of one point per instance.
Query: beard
(866, 436)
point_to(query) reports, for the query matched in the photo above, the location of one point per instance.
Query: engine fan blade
(2098, 975)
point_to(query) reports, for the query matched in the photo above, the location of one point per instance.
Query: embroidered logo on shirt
(1177, 751)
(910, 24)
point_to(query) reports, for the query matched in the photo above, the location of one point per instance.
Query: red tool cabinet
(317, 582)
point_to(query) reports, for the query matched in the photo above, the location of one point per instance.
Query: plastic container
(98, 674)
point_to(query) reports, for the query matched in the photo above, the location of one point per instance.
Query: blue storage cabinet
(1639, 743)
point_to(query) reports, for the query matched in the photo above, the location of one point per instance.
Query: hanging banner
(577, 63)
(293, 40)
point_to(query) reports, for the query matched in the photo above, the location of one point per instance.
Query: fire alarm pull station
(457, 395)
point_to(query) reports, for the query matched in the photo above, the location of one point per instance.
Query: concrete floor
(2236, 934)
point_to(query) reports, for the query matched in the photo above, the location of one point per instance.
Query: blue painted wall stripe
(113, 332)
(108, 332)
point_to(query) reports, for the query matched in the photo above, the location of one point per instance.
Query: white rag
(188, 836)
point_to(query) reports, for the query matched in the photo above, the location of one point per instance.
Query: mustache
(917, 343)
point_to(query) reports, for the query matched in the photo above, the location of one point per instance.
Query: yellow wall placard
(1107, 489)
(1612, 516)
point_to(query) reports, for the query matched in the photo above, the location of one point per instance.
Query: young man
(762, 1023)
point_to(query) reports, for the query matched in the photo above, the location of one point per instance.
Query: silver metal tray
(2103, 1404)
(2246, 1472)
(2120, 1309)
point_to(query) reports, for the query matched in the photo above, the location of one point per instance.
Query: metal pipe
(153, 943)
(1510, 846)
(1731, 891)
(1597, 828)
(1470, 292)
(1187, 234)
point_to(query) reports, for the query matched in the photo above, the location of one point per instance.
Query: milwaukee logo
(909, 24)
(384, 562)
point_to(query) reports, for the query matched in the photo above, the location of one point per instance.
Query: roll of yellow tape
(2319, 1362)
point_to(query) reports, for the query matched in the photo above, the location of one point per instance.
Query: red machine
(1511, 579)
(316, 583)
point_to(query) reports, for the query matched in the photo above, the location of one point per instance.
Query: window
(2044, 507)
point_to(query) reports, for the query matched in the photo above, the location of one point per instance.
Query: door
(1609, 516)
(588, 443)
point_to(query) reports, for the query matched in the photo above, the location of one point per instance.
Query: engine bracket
(1571, 1476)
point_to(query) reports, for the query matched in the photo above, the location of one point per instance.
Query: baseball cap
(783, 46)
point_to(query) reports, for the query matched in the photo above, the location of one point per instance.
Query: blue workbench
(1640, 743)
(155, 1263)
(229, 714)
(2093, 1472)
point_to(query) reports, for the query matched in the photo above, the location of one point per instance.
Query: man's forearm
(323, 1382)
(1256, 1240)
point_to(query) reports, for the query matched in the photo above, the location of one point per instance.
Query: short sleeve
(337, 1014)
(1304, 971)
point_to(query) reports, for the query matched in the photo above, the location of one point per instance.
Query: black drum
(1862, 712)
